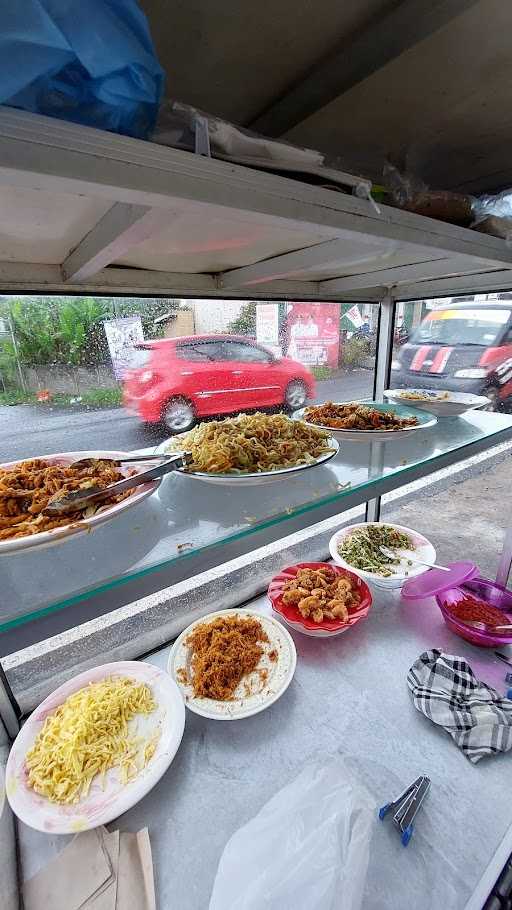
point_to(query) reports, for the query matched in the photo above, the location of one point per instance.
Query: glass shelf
(186, 516)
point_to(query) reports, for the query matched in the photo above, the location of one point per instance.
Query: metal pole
(384, 352)
(9, 710)
(505, 560)
(383, 358)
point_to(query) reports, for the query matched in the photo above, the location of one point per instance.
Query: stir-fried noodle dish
(252, 443)
(355, 416)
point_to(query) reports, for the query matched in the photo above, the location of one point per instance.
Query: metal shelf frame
(338, 246)
(279, 239)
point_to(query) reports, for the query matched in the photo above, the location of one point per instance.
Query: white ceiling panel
(43, 227)
(194, 243)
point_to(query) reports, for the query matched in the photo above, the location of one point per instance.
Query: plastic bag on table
(410, 193)
(493, 215)
(89, 62)
(499, 205)
(307, 849)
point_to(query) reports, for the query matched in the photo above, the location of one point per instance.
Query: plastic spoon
(418, 562)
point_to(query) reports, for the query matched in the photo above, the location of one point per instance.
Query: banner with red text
(313, 333)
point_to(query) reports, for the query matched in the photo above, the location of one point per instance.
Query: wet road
(30, 430)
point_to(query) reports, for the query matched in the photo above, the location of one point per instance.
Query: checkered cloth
(477, 717)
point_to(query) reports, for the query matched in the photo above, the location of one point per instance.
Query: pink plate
(291, 615)
(20, 544)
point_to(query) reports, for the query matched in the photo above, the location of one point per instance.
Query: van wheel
(178, 415)
(494, 399)
(295, 395)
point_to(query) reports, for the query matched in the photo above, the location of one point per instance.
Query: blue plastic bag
(89, 61)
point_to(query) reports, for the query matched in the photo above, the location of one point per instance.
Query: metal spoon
(90, 462)
(80, 499)
(419, 562)
(485, 627)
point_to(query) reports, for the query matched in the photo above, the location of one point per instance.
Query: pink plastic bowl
(489, 592)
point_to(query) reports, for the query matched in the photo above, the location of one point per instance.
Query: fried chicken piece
(321, 594)
(308, 604)
(293, 595)
(338, 610)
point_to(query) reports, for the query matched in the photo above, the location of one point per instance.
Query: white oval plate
(424, 550)
(456, 404)
(257, 478)
(280, 672)
(100, 805)
(45, 538)
(424, 422)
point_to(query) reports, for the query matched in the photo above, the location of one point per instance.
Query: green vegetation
(17, 396)
(355, 352)
(245, 322)
(69, 330)
(94, 398)
(321, 372)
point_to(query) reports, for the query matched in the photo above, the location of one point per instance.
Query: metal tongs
(80, 499)
(406, 806)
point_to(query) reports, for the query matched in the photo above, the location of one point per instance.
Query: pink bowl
(489, 592)
(291, 614)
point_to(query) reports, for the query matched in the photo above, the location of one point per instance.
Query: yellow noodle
(87, 735)
(252, 442)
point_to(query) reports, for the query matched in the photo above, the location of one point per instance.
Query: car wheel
(295, 395)
(494, 399)
(178, 415)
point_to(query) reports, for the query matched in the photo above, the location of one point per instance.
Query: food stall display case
(89, 211)
(83, 210)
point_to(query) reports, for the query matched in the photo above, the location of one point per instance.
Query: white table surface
(349, 694)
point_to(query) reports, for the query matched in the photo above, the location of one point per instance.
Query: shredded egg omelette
(87, 735)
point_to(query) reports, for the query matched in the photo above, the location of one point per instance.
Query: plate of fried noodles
(252, 448)
(27, 486)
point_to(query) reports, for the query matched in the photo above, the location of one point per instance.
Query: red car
(174, 381)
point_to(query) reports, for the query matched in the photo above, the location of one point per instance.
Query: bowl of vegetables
(357, 548)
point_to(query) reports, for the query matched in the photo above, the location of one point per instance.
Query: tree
(69, 330)
(245, 322)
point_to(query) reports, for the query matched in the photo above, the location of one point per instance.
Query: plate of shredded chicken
(233, 663)
(319, 599)
(94, 747)
(27, 486)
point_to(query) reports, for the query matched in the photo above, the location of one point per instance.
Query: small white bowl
(423, 550)
(455, 404)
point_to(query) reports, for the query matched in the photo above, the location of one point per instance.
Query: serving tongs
(125, 459)
(80, 499)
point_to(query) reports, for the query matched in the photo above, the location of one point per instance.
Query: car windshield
(453, 327)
